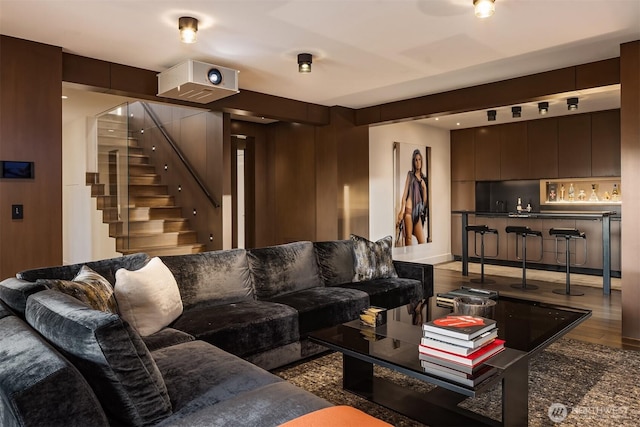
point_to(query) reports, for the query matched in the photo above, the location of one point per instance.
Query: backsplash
(502, 196)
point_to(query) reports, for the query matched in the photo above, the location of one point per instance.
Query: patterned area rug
(597, 385)
(541, 275)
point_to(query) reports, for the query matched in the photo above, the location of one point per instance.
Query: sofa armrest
(417, 271)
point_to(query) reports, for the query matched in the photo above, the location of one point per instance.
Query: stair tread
(158, 249)
(155, 234)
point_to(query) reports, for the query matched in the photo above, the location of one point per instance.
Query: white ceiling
(366, 52)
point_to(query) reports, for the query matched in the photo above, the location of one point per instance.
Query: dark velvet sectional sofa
(64, 363)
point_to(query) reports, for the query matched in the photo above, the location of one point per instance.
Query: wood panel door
(574, 146)
(487, 158)
(513, 151)
(542, 148)
(462, 155)
(605, 143)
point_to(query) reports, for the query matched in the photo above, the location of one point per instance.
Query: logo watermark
(558, 412)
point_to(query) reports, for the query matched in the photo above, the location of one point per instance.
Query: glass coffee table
(527, 327)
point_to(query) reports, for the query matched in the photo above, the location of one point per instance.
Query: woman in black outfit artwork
(414, 201)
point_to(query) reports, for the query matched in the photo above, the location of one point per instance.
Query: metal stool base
(485, 281)
(526, 287)
(571, 292)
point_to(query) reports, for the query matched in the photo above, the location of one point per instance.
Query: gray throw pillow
(372, 260)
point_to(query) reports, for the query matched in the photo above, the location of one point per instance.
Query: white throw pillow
(148, 298)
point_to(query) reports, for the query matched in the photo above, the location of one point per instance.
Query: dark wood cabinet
(487, 158)
(462, 155)
(574, 146)
(542, 148)
(513, 151)
(605, 143)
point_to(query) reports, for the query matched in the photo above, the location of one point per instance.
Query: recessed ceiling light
(458, 124)
(65, 97)
(437, 118)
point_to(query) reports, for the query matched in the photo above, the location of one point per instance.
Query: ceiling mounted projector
(195, 81)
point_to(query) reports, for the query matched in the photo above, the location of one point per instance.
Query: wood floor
(603, 327)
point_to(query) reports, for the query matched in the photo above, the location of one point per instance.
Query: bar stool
(482, 230)
(524, 232)
(567, 234)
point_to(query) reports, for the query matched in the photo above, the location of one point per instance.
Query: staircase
(155, 224)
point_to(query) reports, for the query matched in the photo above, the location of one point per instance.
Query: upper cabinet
(542, 148)
(574, 146)
(462, 155)
(513, 151)
(605, 143)
(487, 153)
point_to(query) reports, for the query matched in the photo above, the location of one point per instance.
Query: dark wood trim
(512, 91)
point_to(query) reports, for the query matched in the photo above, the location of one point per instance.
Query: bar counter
(604, 216)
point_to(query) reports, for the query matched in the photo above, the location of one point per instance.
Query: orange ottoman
(336, 416)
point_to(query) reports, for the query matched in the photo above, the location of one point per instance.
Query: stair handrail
(181, 156)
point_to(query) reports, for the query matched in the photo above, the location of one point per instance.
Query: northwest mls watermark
(558, 412)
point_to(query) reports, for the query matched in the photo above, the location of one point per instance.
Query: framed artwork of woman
(412, 167)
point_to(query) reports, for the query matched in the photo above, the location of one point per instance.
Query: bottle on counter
(615, 195)
(519, 205)
(528, 207)
(572, 193)
(562, 193)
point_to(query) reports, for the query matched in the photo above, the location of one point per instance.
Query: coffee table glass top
(526, 326)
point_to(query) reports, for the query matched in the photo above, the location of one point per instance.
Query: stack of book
(455, 347)
(373, 316)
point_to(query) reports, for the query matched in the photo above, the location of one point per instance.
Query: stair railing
(180, 155)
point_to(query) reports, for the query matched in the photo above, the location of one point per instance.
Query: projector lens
(215, 76)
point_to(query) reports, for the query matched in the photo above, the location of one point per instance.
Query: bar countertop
(546, 214)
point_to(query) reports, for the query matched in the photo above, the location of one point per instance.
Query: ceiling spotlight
(484, 8)
(491, 115)
(188, 27)
(572, 104)
(304, 62)
(516, 112)
(543, 108)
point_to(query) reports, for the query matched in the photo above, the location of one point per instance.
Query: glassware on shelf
(572, 193)
(582, 196)
(615, 195)
(594, 195)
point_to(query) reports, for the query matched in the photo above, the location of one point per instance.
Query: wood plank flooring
(603, 327)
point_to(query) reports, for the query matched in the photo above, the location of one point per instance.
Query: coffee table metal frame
(397, 343)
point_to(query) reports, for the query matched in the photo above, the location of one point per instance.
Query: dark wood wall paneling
(574, 146)
(630, 149)
(31, 130)
(513, 91)
(542, 155)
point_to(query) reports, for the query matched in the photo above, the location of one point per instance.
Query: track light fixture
(543, 108)
(304, 62)
(484, 8)
(491, 115)
(572, 104)
(188, 27)
(516, 112)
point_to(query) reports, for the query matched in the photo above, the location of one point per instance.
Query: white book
(452, 348)
(475, 343)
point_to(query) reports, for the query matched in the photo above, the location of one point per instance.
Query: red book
(475, 358)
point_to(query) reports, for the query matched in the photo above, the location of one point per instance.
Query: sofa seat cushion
(242, 328)
(212, 278)
(389, 292)
(14, 292)
(323, 307)
(106, 268)
(166, 338)
(269, 405)
(39, 387)
(108, 352)
(200, 371)
(283, 269)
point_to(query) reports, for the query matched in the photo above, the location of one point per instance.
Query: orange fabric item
(336, 416)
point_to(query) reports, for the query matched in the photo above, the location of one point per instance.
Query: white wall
(381, 203)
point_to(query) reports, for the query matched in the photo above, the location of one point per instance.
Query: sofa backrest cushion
(372, 260)
(14, 292)
(335, 259)
(108, 352)
(283, 269)
(106, 268)
(212, 278)
(38, 386)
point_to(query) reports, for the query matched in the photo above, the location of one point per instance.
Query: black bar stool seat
(567, 234)
(524, 232)
(482, 230)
